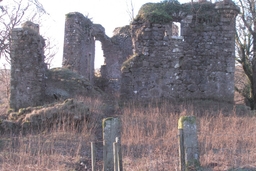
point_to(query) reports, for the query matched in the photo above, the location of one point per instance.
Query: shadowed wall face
(199, 64)
(79, 49)
(79, 45)
(27, 67)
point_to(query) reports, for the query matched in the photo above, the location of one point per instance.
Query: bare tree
(11, 17)
(246, 50)
(17, 12)
(50, 50)
(244, 57)
(5, 83)
(130, 9)
(39, 6)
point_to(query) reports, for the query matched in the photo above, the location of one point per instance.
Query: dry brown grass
(4, 90)
(150, 139)
(55, 151)
(61, 147)
(227, 142)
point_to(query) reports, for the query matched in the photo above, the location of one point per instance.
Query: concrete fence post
(188, 144)
(111, 133)
(93, 158)
(116, 155)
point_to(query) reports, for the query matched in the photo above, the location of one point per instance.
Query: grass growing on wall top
(198, 7)
(201, 10)
(167, 11)
(158, 12)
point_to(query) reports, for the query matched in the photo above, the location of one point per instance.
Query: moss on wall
(105, 120)
(167, 11)
(190, 119)
(158, 12)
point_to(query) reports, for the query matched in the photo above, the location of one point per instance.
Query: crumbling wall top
(31, 25)
(165, 12)
(227, 4)
(27, 67)
(76, 18)
(122, 30)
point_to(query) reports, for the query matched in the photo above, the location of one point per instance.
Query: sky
(109, 13)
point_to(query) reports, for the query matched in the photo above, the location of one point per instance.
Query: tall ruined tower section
(199, 64)
(79, 45)
(27, 67)
(209, 53)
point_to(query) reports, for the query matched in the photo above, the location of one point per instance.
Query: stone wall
(79, 49)
(198, 65)
(32, 84)
(27, 67)
(116, 50)
(79, 45)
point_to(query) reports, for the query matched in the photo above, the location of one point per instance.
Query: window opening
(176, 29)
(99, 57)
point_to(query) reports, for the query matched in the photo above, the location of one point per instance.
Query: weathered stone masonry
(79, 47)
(27, 67)
(116, 50)
(32, 83)
(198, 65)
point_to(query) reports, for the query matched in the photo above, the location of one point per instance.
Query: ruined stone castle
(145, 60)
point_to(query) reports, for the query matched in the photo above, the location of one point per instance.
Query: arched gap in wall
(99, 56)
(176, 29)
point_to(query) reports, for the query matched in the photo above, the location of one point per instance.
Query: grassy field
(225, 141)
(149, 140)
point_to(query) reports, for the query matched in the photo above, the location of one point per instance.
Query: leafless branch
(130, 10)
